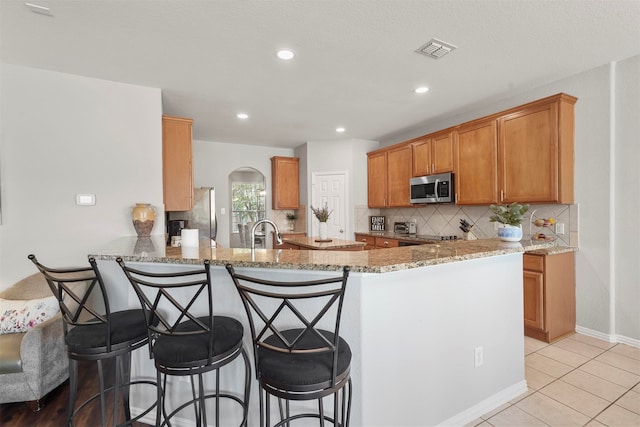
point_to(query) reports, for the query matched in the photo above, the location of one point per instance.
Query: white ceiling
(355, 65)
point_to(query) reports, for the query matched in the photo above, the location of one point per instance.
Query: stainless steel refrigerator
(203, 214)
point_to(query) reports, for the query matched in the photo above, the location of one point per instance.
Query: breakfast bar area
(435, 330)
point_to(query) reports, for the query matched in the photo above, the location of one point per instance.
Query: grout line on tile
(589, 359)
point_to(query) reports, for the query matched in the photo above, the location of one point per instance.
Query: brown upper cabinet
(177, 166)
(536, 152)
(285, 182)
(524, 154)
(388, 177)
(433, 154)
(377, 179)
(476, 156)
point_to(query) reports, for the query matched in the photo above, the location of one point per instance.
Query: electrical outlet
(559, 227)
(478, 357)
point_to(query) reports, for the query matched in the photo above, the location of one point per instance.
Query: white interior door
(330, 188)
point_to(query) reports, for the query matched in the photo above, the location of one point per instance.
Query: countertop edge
(375, 261)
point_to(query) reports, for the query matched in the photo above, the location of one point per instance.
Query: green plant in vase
(291, 217)
(511, 217)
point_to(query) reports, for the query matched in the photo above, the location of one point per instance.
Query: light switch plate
(85, 199)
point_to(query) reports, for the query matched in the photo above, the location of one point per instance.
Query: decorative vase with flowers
(510, 216)
(322, 214)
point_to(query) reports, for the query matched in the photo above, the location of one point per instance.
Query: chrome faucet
(255, 227)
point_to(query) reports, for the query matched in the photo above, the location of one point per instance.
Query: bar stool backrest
(81, 295)
(165, 310)
(311, 308)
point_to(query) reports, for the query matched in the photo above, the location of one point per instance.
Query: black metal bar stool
(187, 343)
(93, 332)
(299, 354)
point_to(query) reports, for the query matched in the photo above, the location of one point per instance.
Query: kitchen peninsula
(414, 317)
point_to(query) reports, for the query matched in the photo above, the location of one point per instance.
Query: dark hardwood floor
(54, 412)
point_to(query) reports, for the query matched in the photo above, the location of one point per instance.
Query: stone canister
(143, 216)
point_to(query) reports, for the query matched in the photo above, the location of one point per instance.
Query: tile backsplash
(445, 219)
(300, 224)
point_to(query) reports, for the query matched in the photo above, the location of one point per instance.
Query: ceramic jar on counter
(143, 216)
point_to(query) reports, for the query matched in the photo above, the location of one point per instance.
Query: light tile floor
(577, 381)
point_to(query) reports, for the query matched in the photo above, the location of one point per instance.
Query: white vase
(510, 233)
(322, 231)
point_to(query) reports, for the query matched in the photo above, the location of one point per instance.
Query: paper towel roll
(190, 252)
(190, 237)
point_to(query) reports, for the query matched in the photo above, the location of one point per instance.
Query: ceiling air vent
(435, 49)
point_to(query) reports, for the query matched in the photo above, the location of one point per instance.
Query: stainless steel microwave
(432, 189)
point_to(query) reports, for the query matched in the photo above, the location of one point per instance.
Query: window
(248, 199)
(248, 203)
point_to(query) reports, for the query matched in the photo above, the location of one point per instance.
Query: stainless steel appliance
(432, 189)
(405, 227)
(202, 216)
(437, 237)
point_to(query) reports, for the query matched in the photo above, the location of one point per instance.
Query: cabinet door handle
(501, 195)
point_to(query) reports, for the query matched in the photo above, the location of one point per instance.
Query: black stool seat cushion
(301, 369)
(126, 326)
(192, 350)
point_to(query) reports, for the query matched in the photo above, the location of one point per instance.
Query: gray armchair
(34, 362)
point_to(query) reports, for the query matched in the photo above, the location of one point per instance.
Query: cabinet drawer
(381, 242)
(533, 262)
(370, 241)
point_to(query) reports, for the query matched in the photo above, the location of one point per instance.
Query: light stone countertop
(554, 250)
(153, 250)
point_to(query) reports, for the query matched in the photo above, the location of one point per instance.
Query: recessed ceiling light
(242, 116)
(340, 129)
(421, 89)
(285, 54)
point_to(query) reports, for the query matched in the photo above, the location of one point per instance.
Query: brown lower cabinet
(369, 240)
(549, 296)
(377, 242)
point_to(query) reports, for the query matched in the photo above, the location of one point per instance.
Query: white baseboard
(487, 405)
(629, 341)
(616, 338)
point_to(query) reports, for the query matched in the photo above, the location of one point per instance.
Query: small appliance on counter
(405, 227)
(174, 228)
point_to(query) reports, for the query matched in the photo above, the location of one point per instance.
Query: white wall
(214, 161)
(337, 156)
(594, 262)
(627, 206)
(62, 135)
